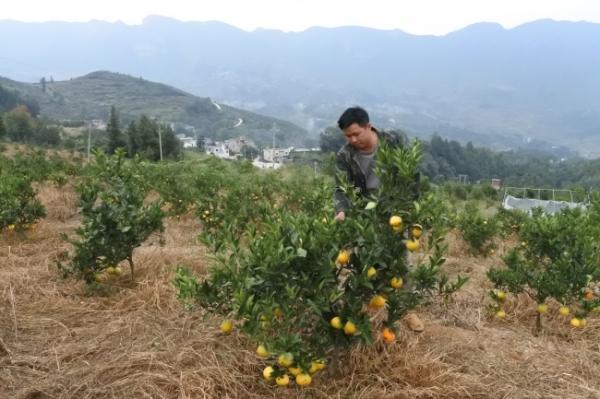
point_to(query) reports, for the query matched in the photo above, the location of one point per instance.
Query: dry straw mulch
(136, 341)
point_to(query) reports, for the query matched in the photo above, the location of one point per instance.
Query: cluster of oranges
(542, 308)
(27, 226)
(285, 366)
(416, 230)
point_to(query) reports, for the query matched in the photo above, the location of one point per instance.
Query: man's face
(359, 137)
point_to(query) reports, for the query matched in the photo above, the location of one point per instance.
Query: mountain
(531, 86)
(91, 97)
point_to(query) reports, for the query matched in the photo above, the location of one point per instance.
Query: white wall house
(266, 165)
(235, 145)
(219, 150)
(189, 142)
(276, 154)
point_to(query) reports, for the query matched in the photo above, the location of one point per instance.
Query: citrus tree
(304, 287)
(477, 230)
(558, 258)
(19, 207)
(116, 218)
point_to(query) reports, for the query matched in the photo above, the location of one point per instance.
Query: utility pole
(160, 141)
(89, 141)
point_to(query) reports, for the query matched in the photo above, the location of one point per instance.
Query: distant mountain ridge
(91, 97)
(533, 84)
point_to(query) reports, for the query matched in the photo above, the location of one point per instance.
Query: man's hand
(340, 216)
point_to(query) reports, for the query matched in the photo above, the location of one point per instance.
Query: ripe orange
(282, 380)
(412, 245)
(388, 336)
(349, 328)
(316, 365)
(564, 311)
(303, 379)
(336, 323)
(501, 295)
(371, 272)
(226, 326)
(417, 230)
(267, 372)
(395, 221)
(285, 359)
(542, 308)
(377, 302)
(262, 351)
(396, 282)
(589, 295)
(501, 314)
(343, 257)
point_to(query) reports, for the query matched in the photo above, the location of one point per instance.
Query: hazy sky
(413, 16)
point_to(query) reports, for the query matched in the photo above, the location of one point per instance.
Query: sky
(436, 17)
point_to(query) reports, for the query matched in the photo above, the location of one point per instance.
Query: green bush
(19, 207)
(477, 230)
(116, 218)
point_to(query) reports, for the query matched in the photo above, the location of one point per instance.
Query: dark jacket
(348, 164)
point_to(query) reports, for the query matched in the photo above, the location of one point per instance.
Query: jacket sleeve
(341, 202)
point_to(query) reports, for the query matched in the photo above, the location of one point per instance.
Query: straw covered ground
(58, 341)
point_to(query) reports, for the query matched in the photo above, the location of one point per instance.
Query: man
(356, 161)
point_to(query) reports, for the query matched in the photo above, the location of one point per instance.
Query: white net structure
(527, 204)
(549, 206)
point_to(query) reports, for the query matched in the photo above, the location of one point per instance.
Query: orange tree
(558, 258)
(303, 287)
(19, 207)
(116, 218)
(476, 229)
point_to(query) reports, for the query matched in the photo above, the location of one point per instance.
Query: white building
(266, 165)
(189, 142)
(276, 154)
(219, 150)
(235, 145)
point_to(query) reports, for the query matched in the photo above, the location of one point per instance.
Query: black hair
(353, 115)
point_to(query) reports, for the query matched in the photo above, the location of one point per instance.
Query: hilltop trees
(20, 125)
(331, 139)
(115, 136)
(143, 140)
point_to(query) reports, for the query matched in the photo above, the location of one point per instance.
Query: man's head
(359, 132)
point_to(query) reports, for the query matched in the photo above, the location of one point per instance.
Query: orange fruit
(285, 359)
(303, 379)
(262, 351)
(343, 257)
(267, 372)
(349, 328)
(371, 272)
(396, 282)
(388, 336)
(395, 221)
(416, 230)
(336, 323)
(282, 380)
(542, 308)
(226, 326)
(377, 302)
(563, 311)
(412, 245)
